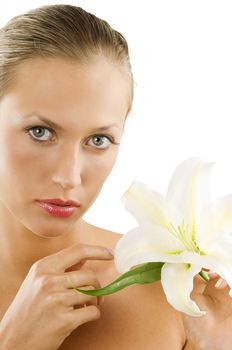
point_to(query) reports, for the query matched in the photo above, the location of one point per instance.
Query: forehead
(62, 86)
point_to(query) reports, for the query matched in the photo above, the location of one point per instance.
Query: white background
(182, 62)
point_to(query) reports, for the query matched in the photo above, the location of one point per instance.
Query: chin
(48, 231)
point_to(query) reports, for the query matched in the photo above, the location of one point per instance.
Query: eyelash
(109, 138)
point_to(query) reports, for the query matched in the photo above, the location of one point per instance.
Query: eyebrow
(58, 127)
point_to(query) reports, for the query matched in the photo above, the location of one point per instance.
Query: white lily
(182, 229)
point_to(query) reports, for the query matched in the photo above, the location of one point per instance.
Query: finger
(77, 266)
(85, 314)
(99, 299)
(215, 293)
(221, 284)
(199, 285)
(75, 298)
(76, 279)
(75, 254)
(212, 275)
(76, 317)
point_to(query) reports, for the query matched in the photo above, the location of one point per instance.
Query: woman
(66, 90)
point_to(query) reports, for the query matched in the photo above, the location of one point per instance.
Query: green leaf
(146, 273)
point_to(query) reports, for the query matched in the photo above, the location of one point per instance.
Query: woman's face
(70, 154)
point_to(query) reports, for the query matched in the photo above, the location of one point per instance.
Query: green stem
(146, 273)
(204, 275)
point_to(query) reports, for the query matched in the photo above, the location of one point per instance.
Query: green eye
(44, 134)
(39, 133)
(100, 141)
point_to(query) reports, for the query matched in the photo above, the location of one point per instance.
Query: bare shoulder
(142, 319)
(156, 315)
(103, 236)
(142, 310)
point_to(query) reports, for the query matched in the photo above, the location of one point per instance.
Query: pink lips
(58, 207)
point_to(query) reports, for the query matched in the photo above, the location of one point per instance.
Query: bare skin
(139, 314)
(41, 256)
(126, 319)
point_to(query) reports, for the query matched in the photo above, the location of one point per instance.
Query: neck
(20, 247)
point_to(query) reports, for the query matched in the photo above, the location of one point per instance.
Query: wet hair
(60, 31)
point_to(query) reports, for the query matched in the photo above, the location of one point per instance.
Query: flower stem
(145, 273)
(204, 275)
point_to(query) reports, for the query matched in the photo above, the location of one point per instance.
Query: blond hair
(64, 31)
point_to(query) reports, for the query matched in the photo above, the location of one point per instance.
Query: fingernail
(219, 283)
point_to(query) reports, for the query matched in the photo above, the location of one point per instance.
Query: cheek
(20, 166)
(17, 157)
(100, 167)
(15, 172)
(96, 172)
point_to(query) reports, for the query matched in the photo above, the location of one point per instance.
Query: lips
(59, 207)
(60, 202)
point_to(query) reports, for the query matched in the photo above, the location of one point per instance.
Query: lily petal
(146, 244)
(188, 189)
(215, 220)
(218, 258)
(177, 282)
(148, 206)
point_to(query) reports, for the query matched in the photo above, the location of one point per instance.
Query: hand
(212, 331)
(46, 309)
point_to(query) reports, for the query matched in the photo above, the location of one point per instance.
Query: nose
(69, 169)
